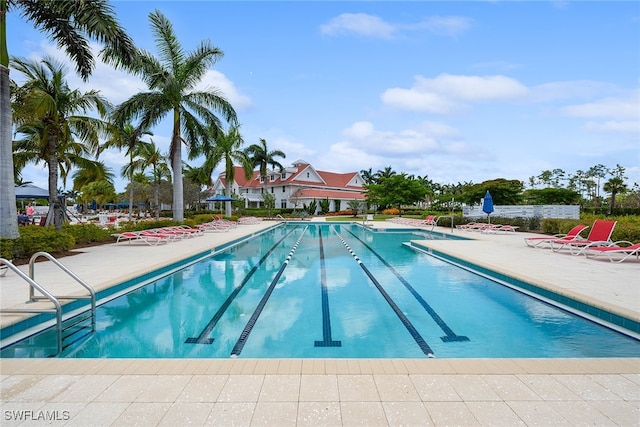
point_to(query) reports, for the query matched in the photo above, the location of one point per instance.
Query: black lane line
(450, 335)
(326, 315)
(202, 338)
(237, 349)
(405, 321)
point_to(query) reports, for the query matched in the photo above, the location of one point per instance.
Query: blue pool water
(332, 291)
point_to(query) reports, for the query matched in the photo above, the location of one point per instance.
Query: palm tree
(90, 171)
(227, 149)
(150, 155)
(171, 81)
(368, 176)
(45, 111)
(260, 156)
(127, 137)
(387, 172)
(71, 24)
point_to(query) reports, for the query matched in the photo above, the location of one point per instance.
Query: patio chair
(600, 235)
(573, 234)
(623, 247)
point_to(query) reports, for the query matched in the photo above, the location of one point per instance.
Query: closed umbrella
(487, 205)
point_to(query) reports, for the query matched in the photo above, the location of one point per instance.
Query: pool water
(332, 291)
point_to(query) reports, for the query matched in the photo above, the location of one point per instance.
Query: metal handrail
(91, 296)
(34, 285)
(445, 216)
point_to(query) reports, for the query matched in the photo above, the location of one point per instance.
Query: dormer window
(283, 176)
(262, 179)
(307, 174)
(272, 178)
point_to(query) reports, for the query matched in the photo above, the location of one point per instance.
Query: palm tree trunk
(178, 188)
(227, 189)
(8, 210)
(55, 208)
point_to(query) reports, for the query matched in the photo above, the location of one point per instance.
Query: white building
(295, 186)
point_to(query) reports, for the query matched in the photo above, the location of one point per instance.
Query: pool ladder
(68, 330)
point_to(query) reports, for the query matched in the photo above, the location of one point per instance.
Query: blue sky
(457, 91)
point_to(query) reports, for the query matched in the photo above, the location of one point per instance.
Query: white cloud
(365, 25)
(217, 80)
(445, 25)
(447, 92)
(608, 107)
(360, 24)
(632, 127)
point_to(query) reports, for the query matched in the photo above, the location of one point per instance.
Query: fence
(526, 211)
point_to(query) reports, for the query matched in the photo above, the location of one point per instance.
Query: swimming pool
(332, 291)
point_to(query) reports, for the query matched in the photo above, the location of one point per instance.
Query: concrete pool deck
(344, 392)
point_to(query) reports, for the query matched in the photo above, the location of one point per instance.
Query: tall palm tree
(45, 110)
(228, 150)
(263, 158)
(171, 81)
(150, 156)
(70, 24)
(126, 137)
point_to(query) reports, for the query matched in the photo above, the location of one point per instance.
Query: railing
(33, 285)
(91, 296)
(444, 216)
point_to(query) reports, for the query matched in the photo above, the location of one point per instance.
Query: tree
(269, 202)
(91, 171)
(615, 185)
(227, 150)
(45, 111)
(368, 176)
(551, 196)
(396, 190)
(100, 191)
(503, 192)
(71, 25)
(387, 172)
(151, 156)
(355, 206)
(171, 80)
(263, 158)
(127, 137)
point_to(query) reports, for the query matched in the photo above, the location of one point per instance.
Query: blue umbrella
(487, 205)
(220, 198)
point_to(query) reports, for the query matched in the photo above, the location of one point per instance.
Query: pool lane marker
(202, 338)
(326, 315)
(450, 335)
(237, 349)
(405, 321)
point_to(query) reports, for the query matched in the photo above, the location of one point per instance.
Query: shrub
(37, 239)
(87, 233)
(391, 211)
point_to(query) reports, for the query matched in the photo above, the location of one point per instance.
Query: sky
(461, 92)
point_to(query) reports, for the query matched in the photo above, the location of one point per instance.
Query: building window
(272, 189)
(262, 179)
(283, 188)
(283, 204)
(272, 177)
(307, 174)
(283, 176)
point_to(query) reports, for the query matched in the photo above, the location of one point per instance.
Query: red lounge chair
(600, 235)
(573, 234)
(130, 236)
(614, 249)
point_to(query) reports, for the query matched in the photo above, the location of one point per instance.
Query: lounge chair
(129, 236)
(501, 229)
(624, 248)
(600, 235)
(573, 234)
